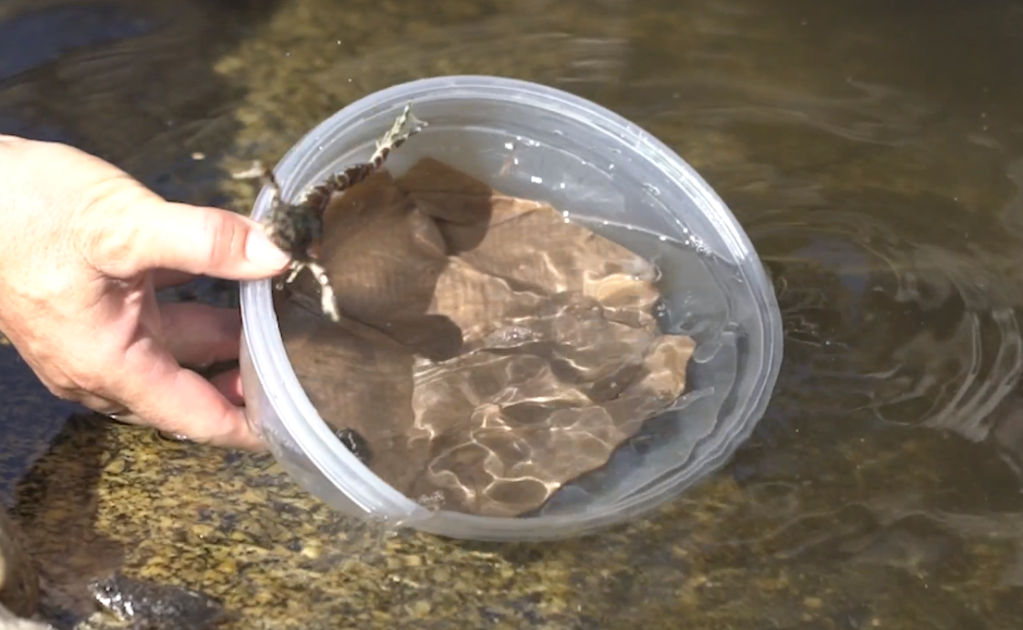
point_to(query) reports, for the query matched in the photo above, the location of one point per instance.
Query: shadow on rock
(56, 507)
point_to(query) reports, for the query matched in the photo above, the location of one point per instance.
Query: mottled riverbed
(871, 149)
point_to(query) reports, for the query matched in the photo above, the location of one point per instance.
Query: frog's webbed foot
(298, 228)
(404, 127)
(328, 299)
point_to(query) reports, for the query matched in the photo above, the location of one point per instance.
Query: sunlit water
(872, 150)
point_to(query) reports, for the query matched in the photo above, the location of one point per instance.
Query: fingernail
(259, 249)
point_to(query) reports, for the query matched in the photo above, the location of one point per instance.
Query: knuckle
(108, 235)
(111, 247)
(109, 225)
(61, 389)
(71, 385)
(88, 381)
(98, 372)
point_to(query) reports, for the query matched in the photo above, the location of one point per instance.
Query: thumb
(192, 239)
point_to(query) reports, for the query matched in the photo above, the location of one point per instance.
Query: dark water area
(873, 150)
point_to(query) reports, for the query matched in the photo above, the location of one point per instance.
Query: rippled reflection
(873, 151)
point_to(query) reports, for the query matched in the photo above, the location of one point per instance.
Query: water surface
(871, 149)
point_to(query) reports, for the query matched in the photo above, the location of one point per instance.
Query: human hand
(82, 250)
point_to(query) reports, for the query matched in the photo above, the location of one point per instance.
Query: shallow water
(871, 149)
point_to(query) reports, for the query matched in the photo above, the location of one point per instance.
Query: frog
(356, 443)
(147, 605)
(297, 228)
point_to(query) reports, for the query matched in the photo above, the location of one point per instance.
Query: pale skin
(83, 248)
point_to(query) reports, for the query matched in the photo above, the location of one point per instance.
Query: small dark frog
(355, 443)
(298, 228)
(151, 606)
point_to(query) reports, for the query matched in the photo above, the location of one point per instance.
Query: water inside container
(691, 281)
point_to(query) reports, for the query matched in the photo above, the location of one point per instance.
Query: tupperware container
(540, 143)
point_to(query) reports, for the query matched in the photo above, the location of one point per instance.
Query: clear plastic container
(544, 144)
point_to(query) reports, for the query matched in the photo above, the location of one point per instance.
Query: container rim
(311, 434)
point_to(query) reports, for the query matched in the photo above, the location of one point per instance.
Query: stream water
(873, 150)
